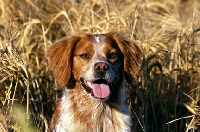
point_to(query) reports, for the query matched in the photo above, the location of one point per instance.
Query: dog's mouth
(99, 88)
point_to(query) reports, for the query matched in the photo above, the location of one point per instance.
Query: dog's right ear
(61, 56)
(133, 55)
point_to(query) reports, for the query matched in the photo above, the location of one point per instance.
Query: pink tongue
(101, 90)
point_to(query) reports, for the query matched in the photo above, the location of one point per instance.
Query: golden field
(166, 93)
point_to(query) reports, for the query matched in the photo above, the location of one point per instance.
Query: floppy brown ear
(60, 55)
(133, 55)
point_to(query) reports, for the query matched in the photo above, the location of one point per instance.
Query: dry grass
(166, 95)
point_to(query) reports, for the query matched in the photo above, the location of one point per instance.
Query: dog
(93, 69)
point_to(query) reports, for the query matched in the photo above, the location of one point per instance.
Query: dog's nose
(101, 67)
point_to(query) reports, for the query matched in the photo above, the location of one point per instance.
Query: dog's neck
(96, 112)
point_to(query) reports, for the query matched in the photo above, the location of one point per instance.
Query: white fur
(97, 38)
(66, 121)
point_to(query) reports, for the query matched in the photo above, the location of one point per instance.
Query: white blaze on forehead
(99, 38)
(96, 38)
(99, 43)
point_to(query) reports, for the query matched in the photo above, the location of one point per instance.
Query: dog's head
(98, 61)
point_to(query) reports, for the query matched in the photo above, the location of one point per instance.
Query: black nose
(101, 67)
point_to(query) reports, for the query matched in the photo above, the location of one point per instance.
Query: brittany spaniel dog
(93, 69)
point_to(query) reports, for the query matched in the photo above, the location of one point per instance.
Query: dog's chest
(98, 119)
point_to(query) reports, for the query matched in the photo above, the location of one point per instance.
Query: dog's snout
(101, 67)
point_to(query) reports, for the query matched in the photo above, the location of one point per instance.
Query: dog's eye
(85, 55)
(112, 55)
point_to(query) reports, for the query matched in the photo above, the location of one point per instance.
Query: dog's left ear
(133, 55)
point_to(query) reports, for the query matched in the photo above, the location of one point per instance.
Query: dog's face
(99, 62)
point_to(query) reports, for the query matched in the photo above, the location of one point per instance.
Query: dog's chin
(99, 89)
